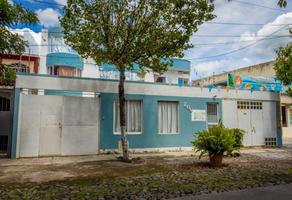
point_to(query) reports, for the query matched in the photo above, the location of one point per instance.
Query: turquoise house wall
(149, 137)
(279, 128)
(15, 122)
(63, 92)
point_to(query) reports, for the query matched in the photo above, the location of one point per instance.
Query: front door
(50, 126)
(244, 124)
(258, 137)
(250, 119)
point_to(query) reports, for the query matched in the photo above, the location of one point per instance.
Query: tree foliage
(283, 65)
(129, 32)
(11, 42)
(282, 3)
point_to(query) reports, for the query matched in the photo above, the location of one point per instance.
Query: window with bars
(4, 104)
(246, 105)
(19, 67)
(212, 114)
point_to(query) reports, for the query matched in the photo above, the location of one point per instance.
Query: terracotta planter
(216, 159)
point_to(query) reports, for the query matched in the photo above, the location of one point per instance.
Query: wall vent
(271, 142)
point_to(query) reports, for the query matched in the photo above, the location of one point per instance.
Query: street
(279, 192)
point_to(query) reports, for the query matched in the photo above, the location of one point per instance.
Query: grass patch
(146, 182)
(155, 178)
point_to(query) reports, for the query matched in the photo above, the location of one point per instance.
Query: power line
(232, 42)
(233, 51)
(245, 24)
(258, 5)
(238, 1)
(196, 45)
(257, 36)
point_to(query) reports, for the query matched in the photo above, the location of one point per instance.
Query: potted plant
(216, 141)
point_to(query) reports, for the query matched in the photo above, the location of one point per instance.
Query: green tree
(283, 65)
(11, 42)
(133, 31)
(282, 3)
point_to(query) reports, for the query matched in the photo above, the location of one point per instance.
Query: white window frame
(114, 118)
(178, 119)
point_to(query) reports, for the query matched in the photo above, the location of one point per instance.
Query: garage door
(58, 125)
(256, 118)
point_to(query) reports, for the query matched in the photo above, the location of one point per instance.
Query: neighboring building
(21, 63)
(286, 119)
(24, 64)
(58, 59)
(263, 69)
(260, 70)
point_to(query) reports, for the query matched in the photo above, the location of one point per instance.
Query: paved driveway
(279, 192)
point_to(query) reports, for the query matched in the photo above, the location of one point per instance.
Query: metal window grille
(246, 105)
(212, 112)
(19, 67)
(4, 104)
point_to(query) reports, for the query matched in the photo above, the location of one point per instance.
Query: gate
(54, 125)
(256, 118)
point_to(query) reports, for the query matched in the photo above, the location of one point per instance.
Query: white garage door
(256, 118)
(58, 125)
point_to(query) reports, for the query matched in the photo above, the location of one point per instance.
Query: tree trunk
(122, 102)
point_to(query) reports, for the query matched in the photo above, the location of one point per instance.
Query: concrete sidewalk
(88, 158)
(279, 192)
(267, 153)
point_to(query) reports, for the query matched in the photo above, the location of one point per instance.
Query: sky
(244, 33)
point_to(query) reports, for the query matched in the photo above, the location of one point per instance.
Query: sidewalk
(87, 158)
(269, 153)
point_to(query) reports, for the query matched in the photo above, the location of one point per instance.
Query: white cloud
(266, 47)
(48, 17)
(61, 2)
(207, 68)
(33, 39)
(232, 11)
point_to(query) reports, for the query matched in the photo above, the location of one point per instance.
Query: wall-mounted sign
(188, 106)
(199, 115)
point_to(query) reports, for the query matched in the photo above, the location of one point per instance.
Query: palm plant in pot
(216, 141)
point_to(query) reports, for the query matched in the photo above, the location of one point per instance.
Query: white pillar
(43, 52)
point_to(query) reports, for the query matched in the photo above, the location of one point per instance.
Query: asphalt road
(280, 192)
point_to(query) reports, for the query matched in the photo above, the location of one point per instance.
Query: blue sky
(251, 39)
